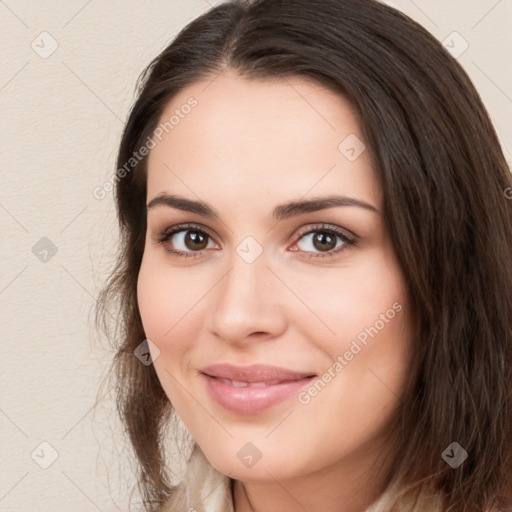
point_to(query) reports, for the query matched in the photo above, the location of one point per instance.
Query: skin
(246, 147)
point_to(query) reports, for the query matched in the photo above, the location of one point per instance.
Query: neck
(347, 488)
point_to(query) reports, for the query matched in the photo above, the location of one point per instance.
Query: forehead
(279, 138)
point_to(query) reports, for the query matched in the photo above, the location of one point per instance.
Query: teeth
(238, 384)
(241, 384)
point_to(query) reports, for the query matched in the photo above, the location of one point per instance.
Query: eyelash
(167, 234)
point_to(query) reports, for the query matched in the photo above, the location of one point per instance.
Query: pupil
(321, 238)
(196, 239)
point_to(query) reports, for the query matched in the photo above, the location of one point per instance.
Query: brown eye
(184, 240)
(196, 240)
(324, 241)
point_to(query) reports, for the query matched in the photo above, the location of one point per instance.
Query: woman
(316, 260)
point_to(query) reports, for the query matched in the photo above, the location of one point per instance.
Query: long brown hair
(444, 181)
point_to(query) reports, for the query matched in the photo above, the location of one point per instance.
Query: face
(313, 291)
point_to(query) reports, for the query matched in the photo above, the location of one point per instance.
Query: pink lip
(279, 384)
(253, 373)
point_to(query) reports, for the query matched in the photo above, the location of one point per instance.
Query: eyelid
(327, 227)
(161, 235)
(349, 238)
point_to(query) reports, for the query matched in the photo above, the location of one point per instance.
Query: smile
(246, 398)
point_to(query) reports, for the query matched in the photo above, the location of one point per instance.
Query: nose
(247, 303)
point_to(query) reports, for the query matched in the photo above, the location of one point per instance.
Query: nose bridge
(245, 300)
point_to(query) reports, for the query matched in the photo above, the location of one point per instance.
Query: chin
(239, 466)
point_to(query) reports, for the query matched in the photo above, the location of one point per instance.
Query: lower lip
(249, 400)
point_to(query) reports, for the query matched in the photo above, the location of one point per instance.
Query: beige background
(61, 119)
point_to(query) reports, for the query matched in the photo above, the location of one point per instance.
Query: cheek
(168, 301)
(163, 297)
(150, 300)
(349, 300)
(371, 348)
(158, 304)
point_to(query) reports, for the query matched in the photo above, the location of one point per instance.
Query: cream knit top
(204, 489)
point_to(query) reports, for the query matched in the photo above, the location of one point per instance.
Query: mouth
(252, 389)
(254, 374)
(243, 384)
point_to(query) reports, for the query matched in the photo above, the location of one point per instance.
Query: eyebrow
(281, 212)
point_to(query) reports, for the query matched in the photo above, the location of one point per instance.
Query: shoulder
(203, 488)
(427, 498)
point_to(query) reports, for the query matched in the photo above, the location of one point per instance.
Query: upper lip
(253, 373)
